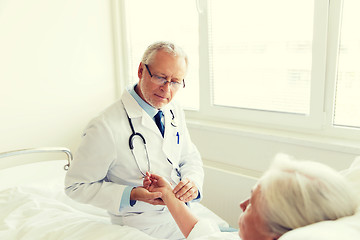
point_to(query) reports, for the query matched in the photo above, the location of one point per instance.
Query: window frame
(253, 116)
(333, 43)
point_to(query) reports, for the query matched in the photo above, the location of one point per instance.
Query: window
(347, 98)
(279, 63)
(262, 59)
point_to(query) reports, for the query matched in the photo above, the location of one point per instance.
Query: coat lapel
(170, 138)
(136, 113)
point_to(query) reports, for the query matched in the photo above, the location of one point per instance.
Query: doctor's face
(251, 223)
(163, 65)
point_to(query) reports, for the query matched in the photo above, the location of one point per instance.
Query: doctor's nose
(166, 87)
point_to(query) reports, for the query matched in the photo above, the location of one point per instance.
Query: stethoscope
(137, 134)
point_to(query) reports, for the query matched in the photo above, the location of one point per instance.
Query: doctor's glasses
(175, 85)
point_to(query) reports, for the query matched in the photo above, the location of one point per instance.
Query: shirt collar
(150, 110)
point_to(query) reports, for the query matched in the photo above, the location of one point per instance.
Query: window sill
(302, 139)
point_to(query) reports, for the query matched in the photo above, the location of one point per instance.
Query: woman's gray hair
(298, 193)
(168, 47)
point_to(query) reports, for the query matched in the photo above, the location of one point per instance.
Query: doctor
(143, 131)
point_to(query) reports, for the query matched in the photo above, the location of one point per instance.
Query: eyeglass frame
(165, 80)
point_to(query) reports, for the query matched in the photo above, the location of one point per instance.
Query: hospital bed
(33, 204)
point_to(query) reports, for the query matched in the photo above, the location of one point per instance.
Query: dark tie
(158, 122)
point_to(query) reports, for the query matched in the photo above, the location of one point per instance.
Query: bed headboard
(31, 151)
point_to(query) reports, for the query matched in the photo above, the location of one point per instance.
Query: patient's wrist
(168, 196)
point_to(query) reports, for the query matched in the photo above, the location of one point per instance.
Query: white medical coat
(103, 166)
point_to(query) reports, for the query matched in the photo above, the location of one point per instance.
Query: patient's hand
(156, 183)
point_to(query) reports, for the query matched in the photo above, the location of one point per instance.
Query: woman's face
(251, 223)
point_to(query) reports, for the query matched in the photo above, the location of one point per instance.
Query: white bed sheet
(33, 205)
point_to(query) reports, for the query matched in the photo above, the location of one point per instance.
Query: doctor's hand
(186, 190)
(142, 194)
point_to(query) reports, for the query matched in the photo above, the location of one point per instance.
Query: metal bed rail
(40, 150)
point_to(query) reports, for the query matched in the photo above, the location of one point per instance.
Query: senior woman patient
(291, 194)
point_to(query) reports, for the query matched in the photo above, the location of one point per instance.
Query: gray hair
(168, 47)
(298, 193)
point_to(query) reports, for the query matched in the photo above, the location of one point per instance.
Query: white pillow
(347, 228)
(353, 175)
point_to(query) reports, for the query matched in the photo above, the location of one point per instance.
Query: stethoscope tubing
(131, 146)
(137, 134)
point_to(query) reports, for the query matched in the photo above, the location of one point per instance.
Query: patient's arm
(180, 212)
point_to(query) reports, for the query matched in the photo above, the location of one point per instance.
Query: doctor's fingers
(183, 183)
(187, 191)
(153, 198)
(190, 195)
(157, 201)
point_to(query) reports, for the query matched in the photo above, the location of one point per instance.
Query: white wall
(224, 190)
(57, 70)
